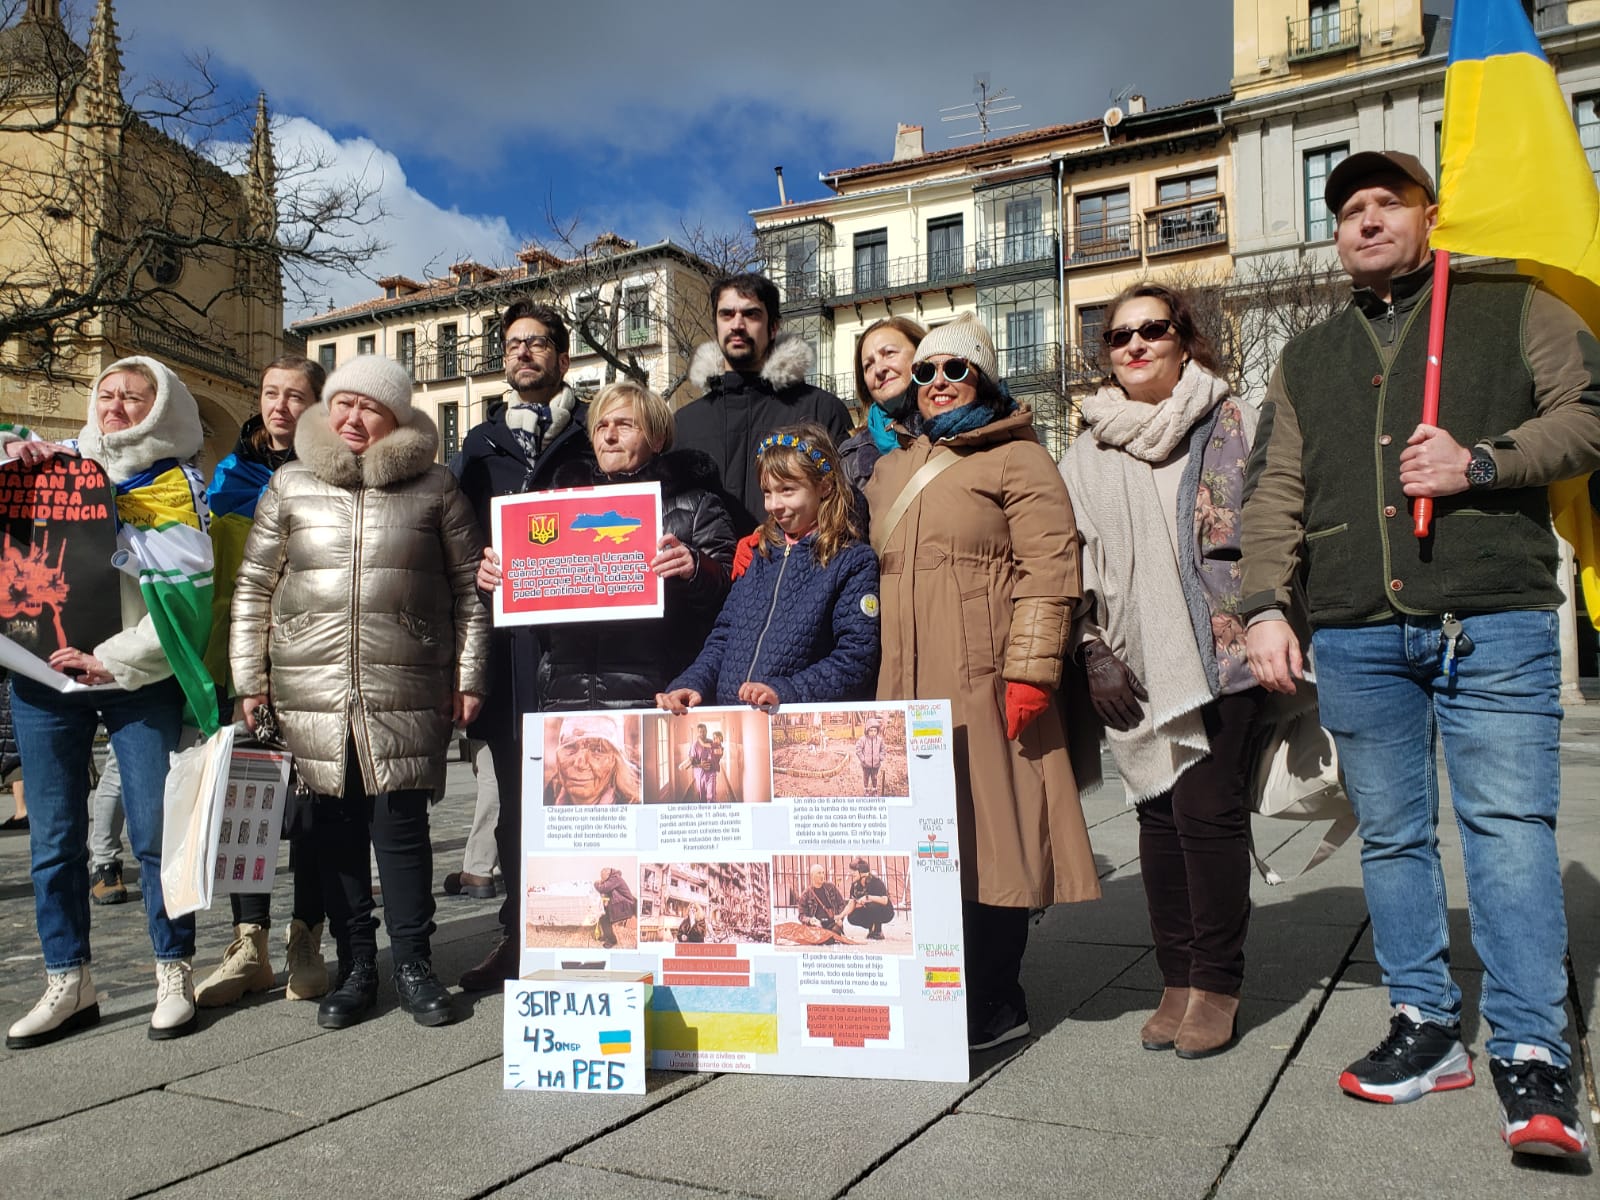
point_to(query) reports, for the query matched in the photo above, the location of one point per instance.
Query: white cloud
(422, 238)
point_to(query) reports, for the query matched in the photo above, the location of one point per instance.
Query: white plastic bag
(196, 779)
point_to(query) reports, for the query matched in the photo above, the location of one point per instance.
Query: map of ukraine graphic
(609, 525)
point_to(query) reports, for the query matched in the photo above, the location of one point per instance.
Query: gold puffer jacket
(355, 608)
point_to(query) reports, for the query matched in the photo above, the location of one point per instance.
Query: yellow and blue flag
(1514, 182)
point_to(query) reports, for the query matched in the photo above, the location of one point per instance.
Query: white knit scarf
(1151, 432)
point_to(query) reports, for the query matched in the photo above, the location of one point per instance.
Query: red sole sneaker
(1411, 1089)
(1545, 1135)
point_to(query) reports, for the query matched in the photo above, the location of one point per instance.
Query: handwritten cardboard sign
(577, 1031)
(578, 555)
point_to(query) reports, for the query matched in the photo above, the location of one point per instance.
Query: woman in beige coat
(355, 612)
(978, 575)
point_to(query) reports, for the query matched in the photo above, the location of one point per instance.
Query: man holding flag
(1452, 634)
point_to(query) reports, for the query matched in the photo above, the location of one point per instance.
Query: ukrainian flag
(1514, 182)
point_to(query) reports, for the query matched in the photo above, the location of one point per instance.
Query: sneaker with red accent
(1538, 1107)
(1416, 1058)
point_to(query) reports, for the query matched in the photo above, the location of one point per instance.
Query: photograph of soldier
(723, 902)
(591, 759)
(862, 902)
(843, 753)
(580, 901)
(709, 756)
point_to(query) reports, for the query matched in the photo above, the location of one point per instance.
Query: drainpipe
(1061, 275)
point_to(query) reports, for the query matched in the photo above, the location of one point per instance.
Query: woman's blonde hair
(650, 410)
(806, 454)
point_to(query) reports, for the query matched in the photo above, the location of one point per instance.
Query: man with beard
(517, 448)
(823, 905)
(753, 381)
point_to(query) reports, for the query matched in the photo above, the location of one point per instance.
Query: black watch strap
(1481, 472)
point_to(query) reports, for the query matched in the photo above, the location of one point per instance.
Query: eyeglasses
(536, 341)
(954, 370)
(1150, 331)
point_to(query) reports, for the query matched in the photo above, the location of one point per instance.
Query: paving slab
(773, 1136)
(131, 1146)
(1313, 1141)
(1124, 1089)
(421, 1145)
(972, 1155)
(350, 1069)
(567, 1181)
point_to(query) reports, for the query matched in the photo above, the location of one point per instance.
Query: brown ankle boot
(494, 970)
(1210, 1024)
(1162, 1026)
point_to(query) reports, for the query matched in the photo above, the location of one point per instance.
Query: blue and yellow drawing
(616, 1041)
(739, 1019)
(610, 524)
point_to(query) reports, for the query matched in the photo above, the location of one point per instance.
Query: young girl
(801, 624)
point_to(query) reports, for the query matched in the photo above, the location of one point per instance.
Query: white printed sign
(576, 1031)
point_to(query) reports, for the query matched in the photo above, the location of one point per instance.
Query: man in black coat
(517, 448)
(754, 382)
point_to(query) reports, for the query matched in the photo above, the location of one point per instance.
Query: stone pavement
(261, 1102)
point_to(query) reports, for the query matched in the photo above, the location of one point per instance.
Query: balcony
(899, 276)
(1328, 31)
(1103, 242)
(1019, 364)
(183, 347)
(1190, 225)
(1033, 248)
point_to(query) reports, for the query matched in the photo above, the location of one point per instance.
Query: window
(944, 248)
(588, 314)
(494, 346)
(328, 356)
(1319, 165)
(1091, 324)
(445, 342)
(1024, 342)
(1022, 316)
(636, 303)
(1104, 229)
(1324, 24)
(816, 332)
(367, 345)
(802, 267)
(1187, 216)
(450, 429)
(406, 344)
(872, 260)
(1588, 118)
(1024, 237)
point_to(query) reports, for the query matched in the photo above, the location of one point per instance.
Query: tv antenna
(987, 105)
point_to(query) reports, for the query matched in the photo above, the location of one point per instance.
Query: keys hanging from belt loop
(1455, 643)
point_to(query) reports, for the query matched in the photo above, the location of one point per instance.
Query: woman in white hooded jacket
(144, 429)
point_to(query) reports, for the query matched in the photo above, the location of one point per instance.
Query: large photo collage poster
(790, 881)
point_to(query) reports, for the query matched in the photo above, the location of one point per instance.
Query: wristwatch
(1481, 471)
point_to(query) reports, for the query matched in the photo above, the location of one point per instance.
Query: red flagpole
(1422, 511)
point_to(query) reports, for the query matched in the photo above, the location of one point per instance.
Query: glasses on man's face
(1150, 331)
(954, 370)
(536, 341)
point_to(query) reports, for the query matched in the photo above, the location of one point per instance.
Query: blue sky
(480, 117)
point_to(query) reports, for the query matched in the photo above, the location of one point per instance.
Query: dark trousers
(508, 831)
(1194, 855)
(395, 826)
(870, 914)
(255, 908)
(995, 939)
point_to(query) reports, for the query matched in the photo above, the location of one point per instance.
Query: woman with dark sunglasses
(1157, 482)
(979, 572)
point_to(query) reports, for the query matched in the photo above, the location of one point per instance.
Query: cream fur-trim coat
(355, 607)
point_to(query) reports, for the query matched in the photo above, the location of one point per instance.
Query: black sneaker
(1003, 1022)
(106, 886)
(421, 993)
(1415, 1059)
(1538, 1108)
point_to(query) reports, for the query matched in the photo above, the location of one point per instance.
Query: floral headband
(795, 443)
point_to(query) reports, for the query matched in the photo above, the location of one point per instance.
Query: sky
(485, 122)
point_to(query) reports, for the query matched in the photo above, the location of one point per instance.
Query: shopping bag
(196, 778)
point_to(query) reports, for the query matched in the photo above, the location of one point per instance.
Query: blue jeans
(1387, 699)
(55, 735)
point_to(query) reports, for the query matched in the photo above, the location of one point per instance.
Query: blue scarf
(965, 419)
(880, 427)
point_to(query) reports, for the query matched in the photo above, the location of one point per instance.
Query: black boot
(355, 995)
(421, 993)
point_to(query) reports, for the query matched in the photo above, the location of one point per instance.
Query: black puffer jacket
(623, 664)
(737, 411)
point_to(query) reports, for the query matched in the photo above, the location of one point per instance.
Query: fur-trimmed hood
(676, 471)
(787, 363)
(171, 430)
(404, 454)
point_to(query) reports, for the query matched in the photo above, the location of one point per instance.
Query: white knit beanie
(965, 336)
(380, 379)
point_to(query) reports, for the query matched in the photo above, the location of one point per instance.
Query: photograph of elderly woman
(592, 758)
(854, 753)
(586, 901)
(708, 756)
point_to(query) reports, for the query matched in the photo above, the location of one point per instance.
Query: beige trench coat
(977, 585)
(355, 607)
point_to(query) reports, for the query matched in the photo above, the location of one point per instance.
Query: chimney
(907, 142)
(783, 197)
(1135, 104)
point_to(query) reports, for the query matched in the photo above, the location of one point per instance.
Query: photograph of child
(710, 756)
(844, 753)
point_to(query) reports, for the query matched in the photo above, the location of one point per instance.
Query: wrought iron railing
(1103, 242)
(187, 349)
(1174, 228)
(1016, 249)
(1325, 31)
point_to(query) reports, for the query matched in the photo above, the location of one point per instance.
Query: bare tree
(142, 217)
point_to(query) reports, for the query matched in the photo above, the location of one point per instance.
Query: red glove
(1024, 702)
(744, 552)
